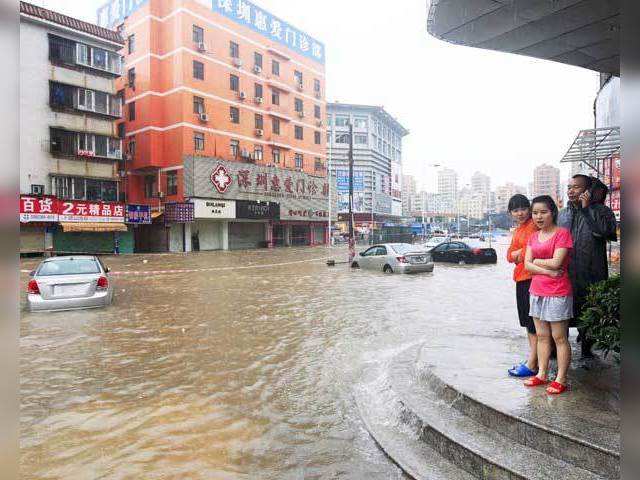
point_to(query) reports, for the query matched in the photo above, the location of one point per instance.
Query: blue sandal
(522, 371)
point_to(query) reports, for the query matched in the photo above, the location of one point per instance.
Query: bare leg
(559, 332)
(532, 361)
(543, 333)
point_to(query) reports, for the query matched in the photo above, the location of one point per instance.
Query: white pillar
(224, 233)
(187, 237)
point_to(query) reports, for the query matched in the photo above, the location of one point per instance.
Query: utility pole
(352, 246)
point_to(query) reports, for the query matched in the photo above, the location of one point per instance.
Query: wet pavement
(234, 364)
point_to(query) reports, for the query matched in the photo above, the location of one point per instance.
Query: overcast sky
(466, 109)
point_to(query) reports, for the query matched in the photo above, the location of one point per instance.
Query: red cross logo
(221, 179)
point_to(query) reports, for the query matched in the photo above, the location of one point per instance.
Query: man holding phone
(592, 225)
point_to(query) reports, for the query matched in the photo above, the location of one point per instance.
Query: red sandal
(535, 382)
(556, 388)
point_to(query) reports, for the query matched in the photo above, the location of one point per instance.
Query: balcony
(84, 145)
(72, 98)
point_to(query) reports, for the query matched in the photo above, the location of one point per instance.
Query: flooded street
(233, 364)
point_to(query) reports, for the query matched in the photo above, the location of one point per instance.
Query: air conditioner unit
(202, 47)
(259, 132)
(236, 62)
(259, 100)
(318, 95)
(257, 69)
(301, 114)
(242, 95)
(300, 87)
(204, 117)
(37, 189)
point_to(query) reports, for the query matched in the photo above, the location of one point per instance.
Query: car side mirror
(362, 254)
(107, 269)
(32, 273)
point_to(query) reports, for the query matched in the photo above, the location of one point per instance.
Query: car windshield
(71, 266)
(437, 240)
(403, 248)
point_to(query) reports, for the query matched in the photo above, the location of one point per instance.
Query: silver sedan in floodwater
(395, 257)
(69, 283)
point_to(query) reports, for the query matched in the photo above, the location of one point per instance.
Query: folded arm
(555, 263)
(531, 266)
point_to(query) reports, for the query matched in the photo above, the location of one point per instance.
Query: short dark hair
(550, 203)
(518, 201)
(588, 181)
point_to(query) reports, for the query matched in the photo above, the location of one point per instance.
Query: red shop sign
(85, 211)
(38, 209)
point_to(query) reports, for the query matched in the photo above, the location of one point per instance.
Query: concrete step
(580, 427)
(387, 423)
(477, 449)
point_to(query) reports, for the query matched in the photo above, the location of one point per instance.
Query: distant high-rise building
(481, 186)
(448, 188)
(546, 181)
(408, 192)
(472, 204)
(504, 193)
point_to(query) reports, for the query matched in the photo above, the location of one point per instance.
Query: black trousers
(522, 300)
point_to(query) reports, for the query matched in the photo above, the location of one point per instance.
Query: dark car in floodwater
(461, 252)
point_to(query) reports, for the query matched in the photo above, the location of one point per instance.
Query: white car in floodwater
(69, 283)
(395, 257)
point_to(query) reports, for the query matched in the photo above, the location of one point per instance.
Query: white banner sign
(215, 209)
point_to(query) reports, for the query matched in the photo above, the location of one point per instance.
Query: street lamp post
(352, 246)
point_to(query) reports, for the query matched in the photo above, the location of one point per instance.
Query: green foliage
(601, 316)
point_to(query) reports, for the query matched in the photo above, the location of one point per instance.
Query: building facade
(504, 194)
(377, 155)
(70, 147)
(546, 181)
(408, 194)
(472, 204)
(448, 188)
(232, 83)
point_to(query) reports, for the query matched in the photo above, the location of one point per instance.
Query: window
(62, 142)
(342, 121)
(132, 147)
(275, 67)
(62, 50)
(61, 96)
(234, 113)
(299, 132)
(316, 85)
(299, 105)
(258, 153)
(299, 160)
(257, 59)
(276, 155)
(198, 34)
(79, 188)
(149, 186)
(360, 123)
(234, 148)
(172, 183)
(234, 83)
(131, 42)
(98, 58)
(131, 77)
(198, 105)
(360, 139)
(234, 50)
(317, 113)
(275, 126)
(198, 70)
(259, 122)
(342, 138)
(132, 111)
(298, 78)
(319, 165)
(317, 137)
(198, 141)
(258, 90)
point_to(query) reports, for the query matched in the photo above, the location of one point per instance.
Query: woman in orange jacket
(520, 210)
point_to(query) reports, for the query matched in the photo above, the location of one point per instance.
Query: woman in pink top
(551, 296)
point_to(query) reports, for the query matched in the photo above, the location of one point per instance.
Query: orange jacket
(519, 242)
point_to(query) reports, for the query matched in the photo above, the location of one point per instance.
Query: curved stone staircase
(436, 427)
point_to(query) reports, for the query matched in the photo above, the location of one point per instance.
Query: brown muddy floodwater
(245, 368)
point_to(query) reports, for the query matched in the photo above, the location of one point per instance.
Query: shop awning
(593, 146)
(94, 227)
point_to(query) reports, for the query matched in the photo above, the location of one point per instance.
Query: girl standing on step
(551, 303)
(520, 209)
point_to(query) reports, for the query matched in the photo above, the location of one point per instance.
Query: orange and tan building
(223, 104)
